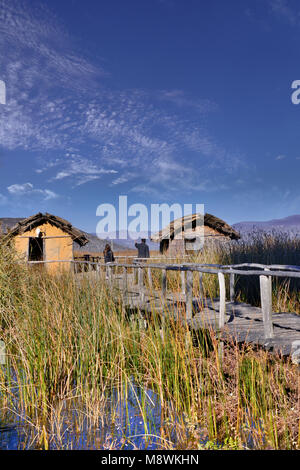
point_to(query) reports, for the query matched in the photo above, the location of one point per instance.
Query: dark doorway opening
(36, 249)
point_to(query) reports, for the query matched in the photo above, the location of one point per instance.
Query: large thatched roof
(36, 220)
(190, 222)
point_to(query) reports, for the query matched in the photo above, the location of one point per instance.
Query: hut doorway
(35, 249)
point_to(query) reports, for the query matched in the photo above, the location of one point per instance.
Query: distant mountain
(127, 240)
(96, 245)
(290, 224)
(8, 222)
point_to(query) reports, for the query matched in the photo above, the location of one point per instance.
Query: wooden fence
(264, 272)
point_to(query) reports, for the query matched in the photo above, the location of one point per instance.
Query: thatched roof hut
(34, 221)
(189, 228)
(45, 237)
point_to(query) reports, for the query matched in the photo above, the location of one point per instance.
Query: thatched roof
(36, 220)
(189, 222)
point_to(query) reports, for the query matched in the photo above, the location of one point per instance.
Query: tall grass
(74, 354)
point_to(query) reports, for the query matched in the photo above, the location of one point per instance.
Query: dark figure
(143, 249)
(108, 254)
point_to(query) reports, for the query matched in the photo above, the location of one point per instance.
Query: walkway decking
(241, 323)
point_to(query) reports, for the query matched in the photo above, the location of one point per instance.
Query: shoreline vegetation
(76, 360)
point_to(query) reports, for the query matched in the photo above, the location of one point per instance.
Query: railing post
(141, 285)
(201, 292)
(266, 304)
(150, 278)
(232, 287)
(109, 274)
(124, 284)
(189, 295)
(222, 308)
(182, 274)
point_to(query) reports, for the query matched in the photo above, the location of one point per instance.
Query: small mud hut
(180, 236)
(45, 237)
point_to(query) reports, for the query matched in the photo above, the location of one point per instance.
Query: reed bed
(76, 359)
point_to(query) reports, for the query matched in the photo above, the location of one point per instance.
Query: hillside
(290, 224)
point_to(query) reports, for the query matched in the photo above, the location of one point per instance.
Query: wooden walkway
(230, 320)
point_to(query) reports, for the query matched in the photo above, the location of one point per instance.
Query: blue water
(123, 426)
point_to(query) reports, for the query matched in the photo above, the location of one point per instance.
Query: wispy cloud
(82, 169)
(283, 9)
(181, 99)
(27, 189)
(280, 157)
(148, 139)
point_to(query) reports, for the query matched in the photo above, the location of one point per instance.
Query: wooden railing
(264, 272)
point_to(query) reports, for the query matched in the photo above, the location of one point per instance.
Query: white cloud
(20, 189)
(27, 189)
(284, 10)
(82, 169)
(179, 98)
(136, 134)
(280, 157)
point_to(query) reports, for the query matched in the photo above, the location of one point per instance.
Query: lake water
(122, 426)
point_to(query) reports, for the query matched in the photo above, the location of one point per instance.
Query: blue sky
(165, 101)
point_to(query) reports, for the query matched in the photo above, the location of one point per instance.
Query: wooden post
(200, 284)
(222, 309)
(182, 274)
(189, 295)
(124, 284)
(150, 278)
(109, 274)
(232, 289)
(141, 286)
(266, 304)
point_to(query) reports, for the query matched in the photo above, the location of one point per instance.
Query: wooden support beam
(232, 287)
(141, 286)
(182, 275)
(266, 304)
(189, 295)
(222, 310)
(124, 286)
(150, 282)
(109, 274)
(201, 292)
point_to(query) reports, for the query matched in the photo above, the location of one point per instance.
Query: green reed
(74, 351)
